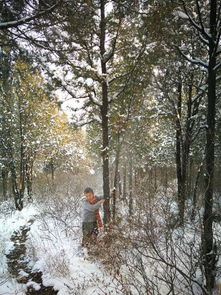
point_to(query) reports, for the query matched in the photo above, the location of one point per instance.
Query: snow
(53, 247)
(11, 221)
(92, 171)
(53, 252)
(181, 14)
(25, 20)
(89, 82)
(34, 285)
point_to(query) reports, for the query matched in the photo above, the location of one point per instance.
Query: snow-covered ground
(53, 248)
(10, 221)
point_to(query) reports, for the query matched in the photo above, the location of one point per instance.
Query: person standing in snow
(91, 218)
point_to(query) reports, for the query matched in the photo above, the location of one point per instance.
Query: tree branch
(192, 21)
(22, 21)
(192, 60)
(200, 16)
(93, 101)
(109, 55)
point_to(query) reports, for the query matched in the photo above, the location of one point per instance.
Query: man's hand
(101, 201)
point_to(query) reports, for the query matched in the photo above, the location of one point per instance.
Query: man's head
(89, 193)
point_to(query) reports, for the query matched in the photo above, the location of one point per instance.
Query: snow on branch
(199, 28)
(82, 123)
(203, 40)
(217, 66)
(69, 91)
(93, 101)
(24, 20)
(192, 60)
(181, 14)
(110, 54)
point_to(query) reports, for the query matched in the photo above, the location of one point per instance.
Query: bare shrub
(56, 232)
(151, 255)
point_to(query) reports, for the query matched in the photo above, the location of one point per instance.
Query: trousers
(90, 232)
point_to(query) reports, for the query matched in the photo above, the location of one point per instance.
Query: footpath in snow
(39, 257)
(18, 265)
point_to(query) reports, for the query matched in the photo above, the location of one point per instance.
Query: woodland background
(140, 82)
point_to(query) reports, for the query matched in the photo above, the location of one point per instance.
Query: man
(91, 219)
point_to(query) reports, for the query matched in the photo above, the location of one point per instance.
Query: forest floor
(38, 257)
(40, 252)
(18, 267)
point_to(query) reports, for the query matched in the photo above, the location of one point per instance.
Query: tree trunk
(29, 174)
(130, 187)
(125, 182)
(11, 167)
(17, 197)
(5, 183)
(189, 186)
(52, 171)
(181, 197)
(164, 178)
(184, 138)
(22, 173)
(4, 136)
(116, 173)
(209, 255)
(119, 184)
(104, 116)
(155, 178)
(22, 169)
(195, 188)
(186, 143)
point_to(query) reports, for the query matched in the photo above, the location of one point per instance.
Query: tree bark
(155, 178)
(5, 183)
(209, 255)
(52, 171)
(195, 188)
(11, 160)
(116, 176)
(29, 176)
(104, 116)
(119, 184)
(125, 182)
(183, 143)
(22, 169)
(181, 197)
(17, 197)
(187, 142)
(130, 188)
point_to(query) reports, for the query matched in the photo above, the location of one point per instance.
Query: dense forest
(122, 96)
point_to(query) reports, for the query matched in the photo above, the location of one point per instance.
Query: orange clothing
(97, 213)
